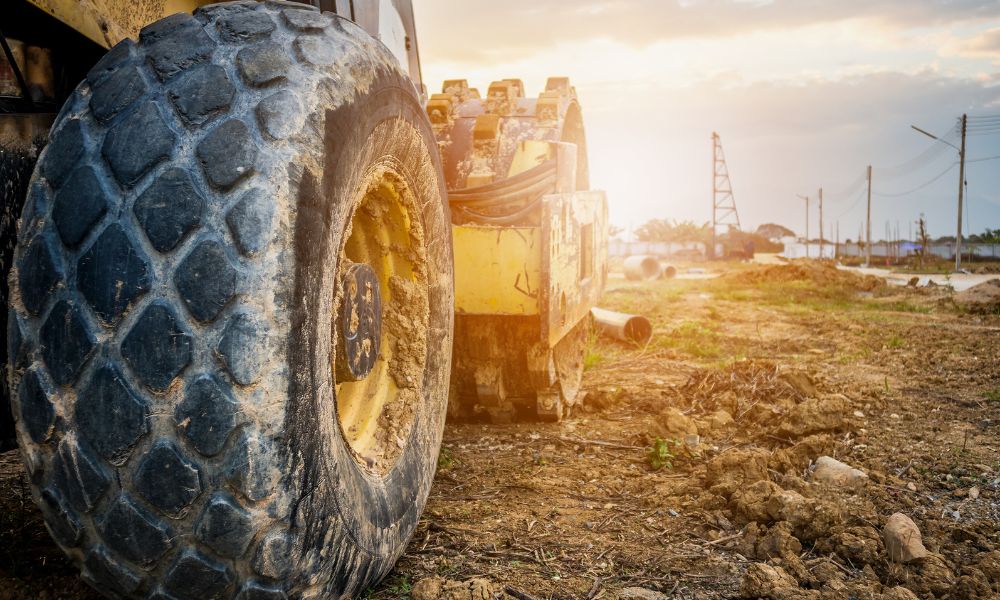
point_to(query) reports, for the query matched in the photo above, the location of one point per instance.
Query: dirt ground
(689, 470)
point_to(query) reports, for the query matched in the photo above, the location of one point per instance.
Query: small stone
(902, 539)
(911, 486)
(974, 493)
(832, 471)
(894, 416)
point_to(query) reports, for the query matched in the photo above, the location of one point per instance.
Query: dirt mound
(820, 273)
(982, 298)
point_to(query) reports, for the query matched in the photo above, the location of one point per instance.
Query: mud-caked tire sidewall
(377, 513)
(225, 313)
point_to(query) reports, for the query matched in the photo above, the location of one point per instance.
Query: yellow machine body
(108, 22)
(554, 271)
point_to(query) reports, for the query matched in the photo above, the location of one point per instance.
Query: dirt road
(688, 471)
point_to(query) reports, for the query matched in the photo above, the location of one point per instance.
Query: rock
(734, 469)
(911, 486)
(675, 425)
(899, 593)
(913, 282)
(765, 581)
(974, 493)
(833, 472)
(816, 415)
(427, 589)
(634, 593)
(902, 539)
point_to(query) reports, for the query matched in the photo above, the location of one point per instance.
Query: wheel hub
(360, 317)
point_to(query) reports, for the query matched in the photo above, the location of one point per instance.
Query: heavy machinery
(244, 259)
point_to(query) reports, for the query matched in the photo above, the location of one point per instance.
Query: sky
(803, 93)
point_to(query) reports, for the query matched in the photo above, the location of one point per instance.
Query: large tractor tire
(232, 310)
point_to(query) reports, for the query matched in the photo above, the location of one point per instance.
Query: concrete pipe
(620, 326)
(642, 267)
(668, 271)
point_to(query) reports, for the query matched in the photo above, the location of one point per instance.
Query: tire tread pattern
(139, 417)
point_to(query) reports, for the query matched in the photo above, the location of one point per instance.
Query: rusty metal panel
(574, 259)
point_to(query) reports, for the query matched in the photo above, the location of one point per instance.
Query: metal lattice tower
(724, 213)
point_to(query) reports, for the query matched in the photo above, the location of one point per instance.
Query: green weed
(592, 357)
(660, 455)
(445, 459)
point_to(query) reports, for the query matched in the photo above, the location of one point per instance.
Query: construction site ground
(687, 472)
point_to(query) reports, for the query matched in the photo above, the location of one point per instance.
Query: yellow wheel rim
(375, 414)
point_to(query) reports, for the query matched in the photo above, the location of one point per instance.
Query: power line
(857, 201)
(983, 159)
(920, 187)
(940, 145)
(853, 187)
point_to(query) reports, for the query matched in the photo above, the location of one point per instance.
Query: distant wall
(686, 250)
(942, 249)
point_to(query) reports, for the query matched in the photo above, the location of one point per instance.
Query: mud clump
(439, 588)
(765, 581)
(675, 425)
(730, 471)
(860, 545)
(816, 415)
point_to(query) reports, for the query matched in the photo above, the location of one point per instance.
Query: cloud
(481, 29)
(986, 44)
(786, 138)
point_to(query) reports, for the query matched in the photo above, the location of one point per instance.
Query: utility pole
(868, 228)
(821, 223)
(806, 198)
(961, 186)
(961, 183)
